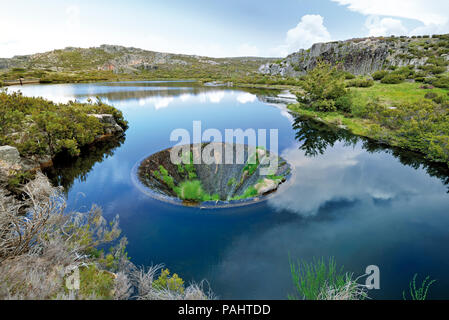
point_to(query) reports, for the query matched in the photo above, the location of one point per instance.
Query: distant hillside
(123, 60)
(366, 55)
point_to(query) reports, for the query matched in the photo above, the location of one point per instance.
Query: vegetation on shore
(419, 293)
(406, 115)
(40, 127)
(322, 280)
(43, 247)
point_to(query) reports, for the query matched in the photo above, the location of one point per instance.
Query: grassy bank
(403, 115)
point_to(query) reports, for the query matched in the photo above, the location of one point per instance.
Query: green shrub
(193, 191)
(430, 80)
(442, 82)
(433, 69)
(324, 105)
(392, 78)
(406, 72)
(49, 128)
(422, 126)
(431, 95)
(96, 282)
(360, 83)
(344, 103)
(348, 75)
(378, 75)
(165, 281)
(438, 61)
(190, 190)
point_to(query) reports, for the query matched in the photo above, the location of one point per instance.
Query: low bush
(344, 103)
(430, 68)
(360, 83)
(47, 128)
(325, 105)
(442, 82)
(172, 283)
(431, 95)
(406, 72)
(378, 75)
(393, 78)
(349, 75)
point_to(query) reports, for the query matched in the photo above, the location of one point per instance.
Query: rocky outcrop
(11, 161)
(267, 186)
(110, 126)
(358, 56)
(9, 155)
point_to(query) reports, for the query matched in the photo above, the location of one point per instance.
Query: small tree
(323, 87)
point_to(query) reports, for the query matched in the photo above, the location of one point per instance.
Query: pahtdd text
(246, 309)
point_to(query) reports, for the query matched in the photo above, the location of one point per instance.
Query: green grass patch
(389, 94)
(310, 278)
(96, 282)
(249, 193)
(231, 182)
(193, 191)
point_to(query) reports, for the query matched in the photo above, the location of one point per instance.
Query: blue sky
(210, 27)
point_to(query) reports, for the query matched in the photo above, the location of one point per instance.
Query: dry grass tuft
(40, 242)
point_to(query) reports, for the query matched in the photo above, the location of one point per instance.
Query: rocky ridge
(119, 59)
(363, 56)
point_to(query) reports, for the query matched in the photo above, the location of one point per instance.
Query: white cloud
(433, 14)
(246, 97)
(309, 30)
(384, 27)
(427, 11)
(162, 102)
(212, 96)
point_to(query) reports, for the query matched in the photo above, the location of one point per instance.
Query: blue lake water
(359, 202)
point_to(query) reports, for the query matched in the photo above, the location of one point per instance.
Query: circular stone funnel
(212, 174)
